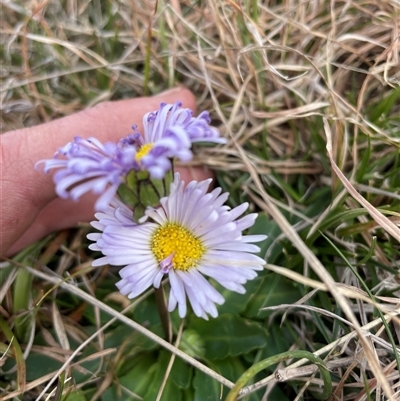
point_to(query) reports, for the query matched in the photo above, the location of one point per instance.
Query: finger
(107, 121)
(60, 214)
(26, 191)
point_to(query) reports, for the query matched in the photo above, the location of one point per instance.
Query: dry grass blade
(170, 363)
(85, 296)
(319, 269)
(326, 349)
(382, 220)
(346, 290)
(284, 82)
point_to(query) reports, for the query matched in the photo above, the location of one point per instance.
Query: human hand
(30, 208)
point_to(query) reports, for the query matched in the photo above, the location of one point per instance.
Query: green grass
(331, 267)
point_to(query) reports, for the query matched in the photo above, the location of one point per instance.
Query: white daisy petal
(242, 247)
(182, 308)
(190, 236)
(177, 286)
(100, 262)
(232, 286)
(124, 287)
(157, 279)
(221, 272)
(246, 221)
(194, 302)
(172, 302)
(235, 258)
(133, 270)
(254, 238)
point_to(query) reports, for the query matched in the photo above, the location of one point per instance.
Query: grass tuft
(307, 95)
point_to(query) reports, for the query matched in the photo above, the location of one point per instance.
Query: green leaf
(192, 343)
(232, 369)
(280, 338)
(274, 290)
(181, 373)
(380, 110)
(21, 364)
(365, 162)
(38, 365)
(236, 303)
(206, 388)
(263, 225)
(123, 333)
(171, 391)
(5, 273)
(147, 315)
(229, 335)
(22, 300)
(137, 380)
(75, 396)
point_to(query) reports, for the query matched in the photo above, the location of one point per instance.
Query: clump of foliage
(307, 96)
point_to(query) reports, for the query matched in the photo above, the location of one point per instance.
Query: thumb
(25, 191)
(108, 121)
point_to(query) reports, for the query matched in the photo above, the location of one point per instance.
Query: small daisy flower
(169, 132)
(192, 234)
(90, 166)
(199, 130)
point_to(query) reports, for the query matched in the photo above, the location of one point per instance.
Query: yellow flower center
(172, 238)
(143, 151)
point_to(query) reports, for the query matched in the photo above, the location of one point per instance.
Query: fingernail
(169, 92)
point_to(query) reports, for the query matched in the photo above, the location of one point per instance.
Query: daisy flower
(199, 130)
(169, 132)
(90, 166)
(192, 234)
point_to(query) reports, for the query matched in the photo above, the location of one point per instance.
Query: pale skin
(30, 208)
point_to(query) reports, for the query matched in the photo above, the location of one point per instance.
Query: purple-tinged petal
(90, 166)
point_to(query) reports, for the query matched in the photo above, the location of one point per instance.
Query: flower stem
(258, 367)
(163, 312)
